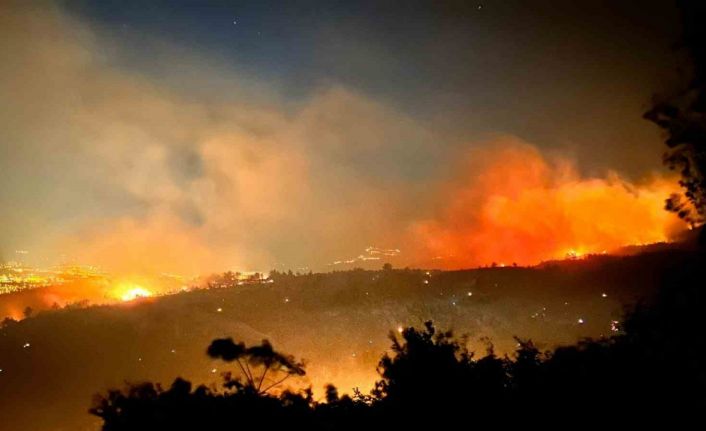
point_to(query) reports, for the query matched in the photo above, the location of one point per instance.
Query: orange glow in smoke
(511, 205)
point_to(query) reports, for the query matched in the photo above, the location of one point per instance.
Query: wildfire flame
(510, 204)
(130, 292)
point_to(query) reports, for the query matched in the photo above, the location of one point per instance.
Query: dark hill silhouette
(653, 370)
(338, 322)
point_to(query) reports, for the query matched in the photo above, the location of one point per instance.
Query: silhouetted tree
(525, 370)
(430, 374)
(147, 406)
(250, 360)
(682, 116)
(331, 394)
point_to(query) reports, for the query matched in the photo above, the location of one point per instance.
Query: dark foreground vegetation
(653, 369)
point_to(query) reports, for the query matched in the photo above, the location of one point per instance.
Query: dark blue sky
(573, 75)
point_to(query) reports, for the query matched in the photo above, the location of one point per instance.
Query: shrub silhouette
(431, 373)
(148, 406)
(654, 368)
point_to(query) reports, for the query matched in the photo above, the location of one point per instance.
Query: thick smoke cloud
(130, 174)
(105, 165)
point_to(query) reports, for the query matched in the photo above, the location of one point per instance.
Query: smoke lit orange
(511, 205)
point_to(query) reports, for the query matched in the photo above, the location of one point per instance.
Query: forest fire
(351, 215)
(130, 292)
(519, 207)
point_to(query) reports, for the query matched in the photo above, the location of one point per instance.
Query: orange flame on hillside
(511, 205)
(127, 292)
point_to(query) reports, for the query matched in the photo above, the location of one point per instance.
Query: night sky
(258, 134)
(569, 75)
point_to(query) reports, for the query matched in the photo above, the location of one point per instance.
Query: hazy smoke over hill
(123, 170)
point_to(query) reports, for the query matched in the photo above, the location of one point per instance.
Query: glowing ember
(614, 326)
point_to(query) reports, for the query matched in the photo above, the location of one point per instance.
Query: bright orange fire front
(129, 292)
(513, 206)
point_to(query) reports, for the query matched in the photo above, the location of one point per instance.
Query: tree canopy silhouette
(682, 116)
(262, 358)
(652, 369)
(433, 368)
